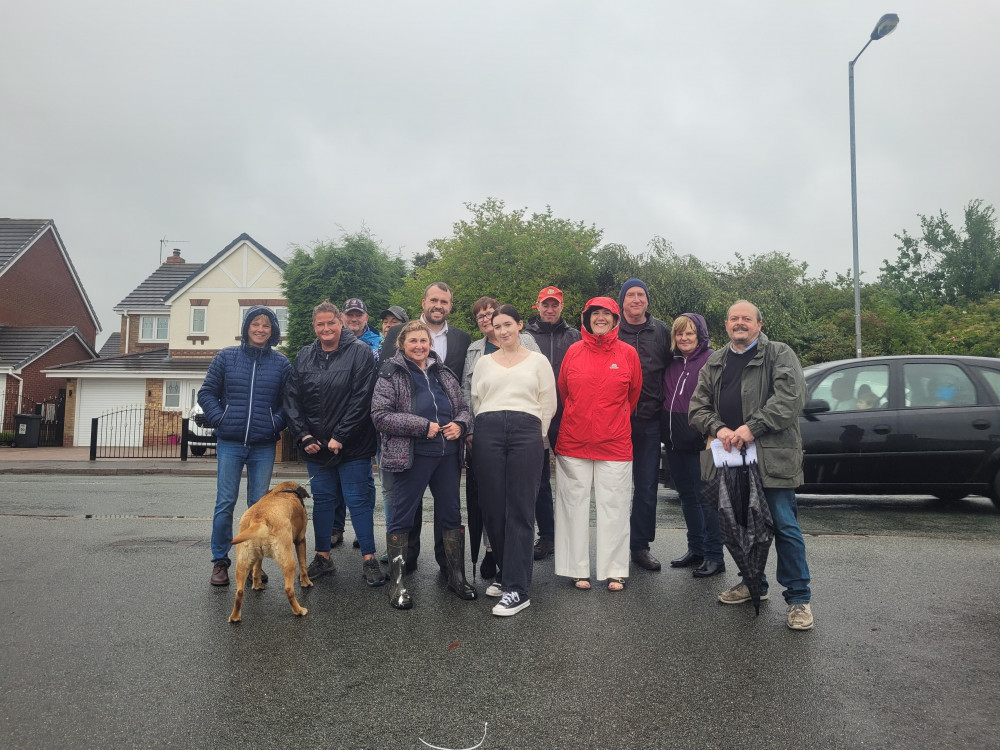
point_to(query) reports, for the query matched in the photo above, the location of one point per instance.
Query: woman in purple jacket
(419, 410)
(690, 345)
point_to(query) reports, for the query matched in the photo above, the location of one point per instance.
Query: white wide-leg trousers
(612, 485)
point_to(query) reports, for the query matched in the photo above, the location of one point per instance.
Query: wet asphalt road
(113, 638)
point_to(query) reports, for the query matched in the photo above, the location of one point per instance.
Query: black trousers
(507, 452)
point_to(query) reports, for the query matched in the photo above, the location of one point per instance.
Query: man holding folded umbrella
(752, 392)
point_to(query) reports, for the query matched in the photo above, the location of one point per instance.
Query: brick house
(46, 318)
(172, 324)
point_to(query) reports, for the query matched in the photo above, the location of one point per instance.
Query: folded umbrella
(744, 520)
(473, 512)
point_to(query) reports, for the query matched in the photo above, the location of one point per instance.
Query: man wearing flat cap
(393, 316)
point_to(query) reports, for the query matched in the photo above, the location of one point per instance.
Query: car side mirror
(816, 406)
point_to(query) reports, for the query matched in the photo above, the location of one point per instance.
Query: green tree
(944, 262)
(967, 329)
(356, 266)
(509, 255)
(772, 281)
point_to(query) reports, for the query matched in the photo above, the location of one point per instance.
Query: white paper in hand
(732, 457)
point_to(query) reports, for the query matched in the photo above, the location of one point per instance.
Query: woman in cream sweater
(513, 397)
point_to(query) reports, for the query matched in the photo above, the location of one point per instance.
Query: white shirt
(439, 340)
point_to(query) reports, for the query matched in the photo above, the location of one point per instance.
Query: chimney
(175, 258)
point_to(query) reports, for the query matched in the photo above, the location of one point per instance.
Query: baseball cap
(355, 304)
(549, 292)
(397, 312)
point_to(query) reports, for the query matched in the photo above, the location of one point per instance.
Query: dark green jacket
(773, 391)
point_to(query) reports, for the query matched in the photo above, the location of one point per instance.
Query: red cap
(549, 292)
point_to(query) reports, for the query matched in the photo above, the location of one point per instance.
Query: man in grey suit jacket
(450, 344)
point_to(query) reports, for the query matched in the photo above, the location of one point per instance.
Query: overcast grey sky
(721, 126)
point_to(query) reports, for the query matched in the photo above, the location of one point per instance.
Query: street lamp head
(885, 26)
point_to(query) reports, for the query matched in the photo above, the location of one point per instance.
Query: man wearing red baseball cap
(553, 336)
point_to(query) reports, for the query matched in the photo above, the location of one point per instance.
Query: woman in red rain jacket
(599, 382)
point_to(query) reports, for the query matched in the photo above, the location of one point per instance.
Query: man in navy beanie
(651, 338)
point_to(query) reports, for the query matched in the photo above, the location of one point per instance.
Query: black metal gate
(136, 432)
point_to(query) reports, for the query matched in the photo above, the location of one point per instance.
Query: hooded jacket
(329, 395)
(242, 392)
(599, 382)
(393, 413)
(679, 382)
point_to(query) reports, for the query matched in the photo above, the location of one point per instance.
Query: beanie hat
(628, 285)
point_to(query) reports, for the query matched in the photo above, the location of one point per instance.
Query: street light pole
(885, 26)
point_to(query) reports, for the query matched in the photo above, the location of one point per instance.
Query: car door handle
(882, 429)
(981, 424)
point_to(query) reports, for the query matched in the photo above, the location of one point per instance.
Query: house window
(199, 316)
(171, 394)
(154, 327)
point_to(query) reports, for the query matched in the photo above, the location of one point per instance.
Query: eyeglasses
(485, 315)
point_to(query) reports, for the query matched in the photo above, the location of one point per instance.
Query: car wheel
(197, 450)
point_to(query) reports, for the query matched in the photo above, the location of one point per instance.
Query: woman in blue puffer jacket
(241, 399)
(690, 346)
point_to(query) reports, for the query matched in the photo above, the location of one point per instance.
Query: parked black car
(903, 425)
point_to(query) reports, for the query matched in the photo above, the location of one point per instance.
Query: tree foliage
(941, 295)
(508, 255)
(944, 262)
(356, 266)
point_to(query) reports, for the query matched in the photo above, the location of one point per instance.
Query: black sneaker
(320, 566)
(336, 538)
(511, 604)
(372, 572)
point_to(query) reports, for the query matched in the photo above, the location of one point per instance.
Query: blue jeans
(232, 456)
(701, 518)
(793, 572)
(349, 483)
(645, 477)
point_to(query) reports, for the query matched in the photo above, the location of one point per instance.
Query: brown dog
(275, 527)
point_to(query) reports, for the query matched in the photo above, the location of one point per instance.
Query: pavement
(114, 638)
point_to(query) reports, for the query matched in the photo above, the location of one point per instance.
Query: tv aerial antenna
(163, 244)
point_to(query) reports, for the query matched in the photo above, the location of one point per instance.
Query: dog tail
(256, 531)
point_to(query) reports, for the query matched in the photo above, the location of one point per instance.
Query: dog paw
(305, 583)
(302, 613)
(234, 618)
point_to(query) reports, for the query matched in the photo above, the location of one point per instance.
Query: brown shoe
(544, 548)
(220, 574)
(337, 537)
(643, 559)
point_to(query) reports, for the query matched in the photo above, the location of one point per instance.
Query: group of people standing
(428, 401)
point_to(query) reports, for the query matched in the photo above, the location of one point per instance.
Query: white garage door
(96, 397)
